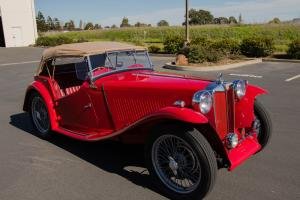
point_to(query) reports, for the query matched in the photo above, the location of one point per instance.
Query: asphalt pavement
(62, 168)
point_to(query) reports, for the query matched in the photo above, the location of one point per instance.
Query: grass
(282, 34)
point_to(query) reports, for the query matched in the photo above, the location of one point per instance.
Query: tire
(265, 124)
(195, 152)
(39, 116)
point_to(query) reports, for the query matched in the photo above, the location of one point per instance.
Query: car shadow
(111, 156)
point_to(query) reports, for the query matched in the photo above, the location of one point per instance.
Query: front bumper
(243, 151)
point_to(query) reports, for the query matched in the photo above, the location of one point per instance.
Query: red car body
(93, 102)
(126, 100)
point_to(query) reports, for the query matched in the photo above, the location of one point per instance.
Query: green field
(282, 34)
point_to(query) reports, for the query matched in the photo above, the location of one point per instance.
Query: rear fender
(42, 90)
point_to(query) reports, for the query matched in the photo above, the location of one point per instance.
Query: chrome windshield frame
(94, 78)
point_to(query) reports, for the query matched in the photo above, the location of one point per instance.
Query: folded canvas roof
(87, 48)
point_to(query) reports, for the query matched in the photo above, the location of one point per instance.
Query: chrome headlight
(240, 88)
(203, 101)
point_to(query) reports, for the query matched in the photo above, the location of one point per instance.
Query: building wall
(18, 19)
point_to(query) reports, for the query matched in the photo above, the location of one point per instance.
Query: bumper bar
(243, 151)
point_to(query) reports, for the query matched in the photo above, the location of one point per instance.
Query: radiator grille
(224, 112)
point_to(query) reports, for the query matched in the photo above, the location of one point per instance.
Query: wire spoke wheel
(176, 164)
(40, 115)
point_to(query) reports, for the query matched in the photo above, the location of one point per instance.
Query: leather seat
(72, 90)
(62, 92)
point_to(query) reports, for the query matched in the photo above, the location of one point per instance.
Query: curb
(213, 68)
(162, 55)
(280, 60)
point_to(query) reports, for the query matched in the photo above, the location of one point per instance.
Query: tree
(70, 26)
(41, 23)
(223, 20)
(97, 26)
(89, 26)
(57, 25)
(232, 20)
(125, 23)
(50, 24)
(81, 25)
(114, 26)
(217, 20)
(199, 17)
(276, 20)
(240, 19)
(139, 24)
(163, 23)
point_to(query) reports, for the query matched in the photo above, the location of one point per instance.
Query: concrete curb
(162, 55)
(213, 68)
(280, 60)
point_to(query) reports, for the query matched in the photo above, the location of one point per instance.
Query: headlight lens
(240, 88)
(204, 101)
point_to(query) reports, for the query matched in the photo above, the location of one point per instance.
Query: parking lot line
(19, 63)
(293, 78)
(246, 75)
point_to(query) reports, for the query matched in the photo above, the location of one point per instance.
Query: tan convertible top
(87, 48)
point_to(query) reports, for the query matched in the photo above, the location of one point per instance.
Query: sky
(108, 12)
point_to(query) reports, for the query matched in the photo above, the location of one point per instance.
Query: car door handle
(88, 106)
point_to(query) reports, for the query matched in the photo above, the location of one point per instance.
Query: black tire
(264, 118)
(43, 131)
(201, 150)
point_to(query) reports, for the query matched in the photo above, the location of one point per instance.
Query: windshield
(121, 60)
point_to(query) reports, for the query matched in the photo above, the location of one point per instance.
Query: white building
(17, 23)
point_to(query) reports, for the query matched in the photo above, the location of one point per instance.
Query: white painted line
(246, 75)
(19, 63)
(293, 78)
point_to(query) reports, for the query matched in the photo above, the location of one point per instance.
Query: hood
(150, 80)
(133, 95)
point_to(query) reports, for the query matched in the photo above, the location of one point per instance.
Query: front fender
(42, 90)
(244, 109)
(254, 91)
(182, 114)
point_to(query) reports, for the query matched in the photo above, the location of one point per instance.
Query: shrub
(63, 40)
(200, 54)
(227, 46)
(46, 41)
(257, 46)
(173, 44)
(154, 49)
(202, 41)
(80, 40)
(294, 49)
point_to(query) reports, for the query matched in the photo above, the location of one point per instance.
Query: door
(77, 112)
(17, 36)
(2, 40)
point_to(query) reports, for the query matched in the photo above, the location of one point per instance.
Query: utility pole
(187, 30)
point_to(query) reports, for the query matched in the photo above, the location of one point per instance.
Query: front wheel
(181, 162)
(262, 124)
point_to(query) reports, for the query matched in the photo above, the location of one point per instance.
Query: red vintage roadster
(190, 126)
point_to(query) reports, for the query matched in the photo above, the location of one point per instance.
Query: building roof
(87, 48)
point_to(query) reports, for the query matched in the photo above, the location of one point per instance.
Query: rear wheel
(181, 162)
(39, 115)
(262, 124)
